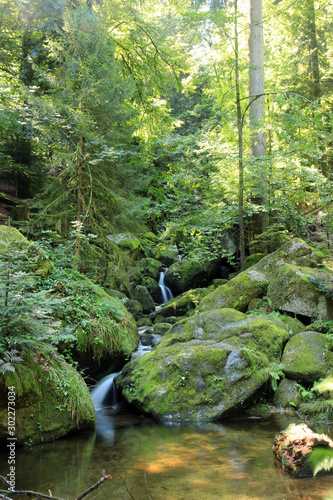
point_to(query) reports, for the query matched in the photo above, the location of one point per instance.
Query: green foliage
(321, 459)
(276, 373)
(10, 358)
(324, 283)
(306, 394)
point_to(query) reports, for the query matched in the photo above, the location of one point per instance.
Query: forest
(165, 181)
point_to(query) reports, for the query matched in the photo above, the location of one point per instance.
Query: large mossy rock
(182, 305)
(141, 294)
(237, 293)
(287, 395)
(304, 357)
(253, 283)
(196, 271)
(51, 398)
(13, 242)
(206, 368)
(167, 254)
(292, 290)
(150, 267)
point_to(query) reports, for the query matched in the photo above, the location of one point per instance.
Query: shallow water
(227, 461)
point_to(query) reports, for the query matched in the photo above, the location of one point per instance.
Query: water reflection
(232, 460)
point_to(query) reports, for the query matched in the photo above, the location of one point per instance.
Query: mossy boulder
(253, 259)
(196, 271)
(161, 328)
(13, 242)
(270, 240)
(292, 290)
(206, 368)
(118, 279)
(287, 395)
(181, 305)
(296, 252)
(153, 288)
(150, 267)
(132, 247)
(237, 293)
(253, 283)
(304, 357)
(51, 399)
(141, 294)
(134, 307)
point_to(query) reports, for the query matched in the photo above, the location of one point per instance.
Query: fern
(321, 459)
(7, 364)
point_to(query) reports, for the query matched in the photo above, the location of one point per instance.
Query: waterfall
(166, 292)
(105, 392)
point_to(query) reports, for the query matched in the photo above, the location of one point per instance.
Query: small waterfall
(105, 392)
(166, 292)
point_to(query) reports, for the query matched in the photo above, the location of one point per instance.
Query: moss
(183, 303)
(206, 369)
(304, 357)
(150, 267)
(51, 398)
(237, 293)
(254, 259)
(292, 290)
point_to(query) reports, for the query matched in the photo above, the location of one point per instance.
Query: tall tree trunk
(257, 112)
(240, 148)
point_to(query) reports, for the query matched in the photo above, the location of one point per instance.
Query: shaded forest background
(122, 117)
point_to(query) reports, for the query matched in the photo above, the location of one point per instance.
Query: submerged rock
(205, 369)
(294, 445)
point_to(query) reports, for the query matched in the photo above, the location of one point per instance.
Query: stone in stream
(294, 445)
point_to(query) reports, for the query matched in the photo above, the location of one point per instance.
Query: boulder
(161, 328)
(182, 304)
(134, 307)
(293, 446)
(287, 395)
(51, 398)
(304, 357)
(293, 291)
(206, 368)
(270, 240)
(195, 271)
(141, 294)
(150, 267)
(253, 283)
(153, 288)
(237, 293)
(36, 262)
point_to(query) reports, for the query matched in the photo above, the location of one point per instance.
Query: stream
(229, 460)
(198, 461)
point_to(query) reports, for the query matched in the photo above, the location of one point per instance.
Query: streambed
(229, 460)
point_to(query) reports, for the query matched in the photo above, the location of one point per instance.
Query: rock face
(52, 399)
(196, 271)
(287, 394)
(293, 446)
(291, 290)
(304, 357)
(284, 276)
(206, 368)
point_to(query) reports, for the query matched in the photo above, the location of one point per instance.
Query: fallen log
(293, 446)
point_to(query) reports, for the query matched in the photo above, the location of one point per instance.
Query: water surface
(227, 461)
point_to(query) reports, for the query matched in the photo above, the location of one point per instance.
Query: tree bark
(257, 113)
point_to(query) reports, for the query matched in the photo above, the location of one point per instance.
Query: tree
(257, 113)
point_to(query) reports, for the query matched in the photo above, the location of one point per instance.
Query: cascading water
(166, 292)
(105, 392)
